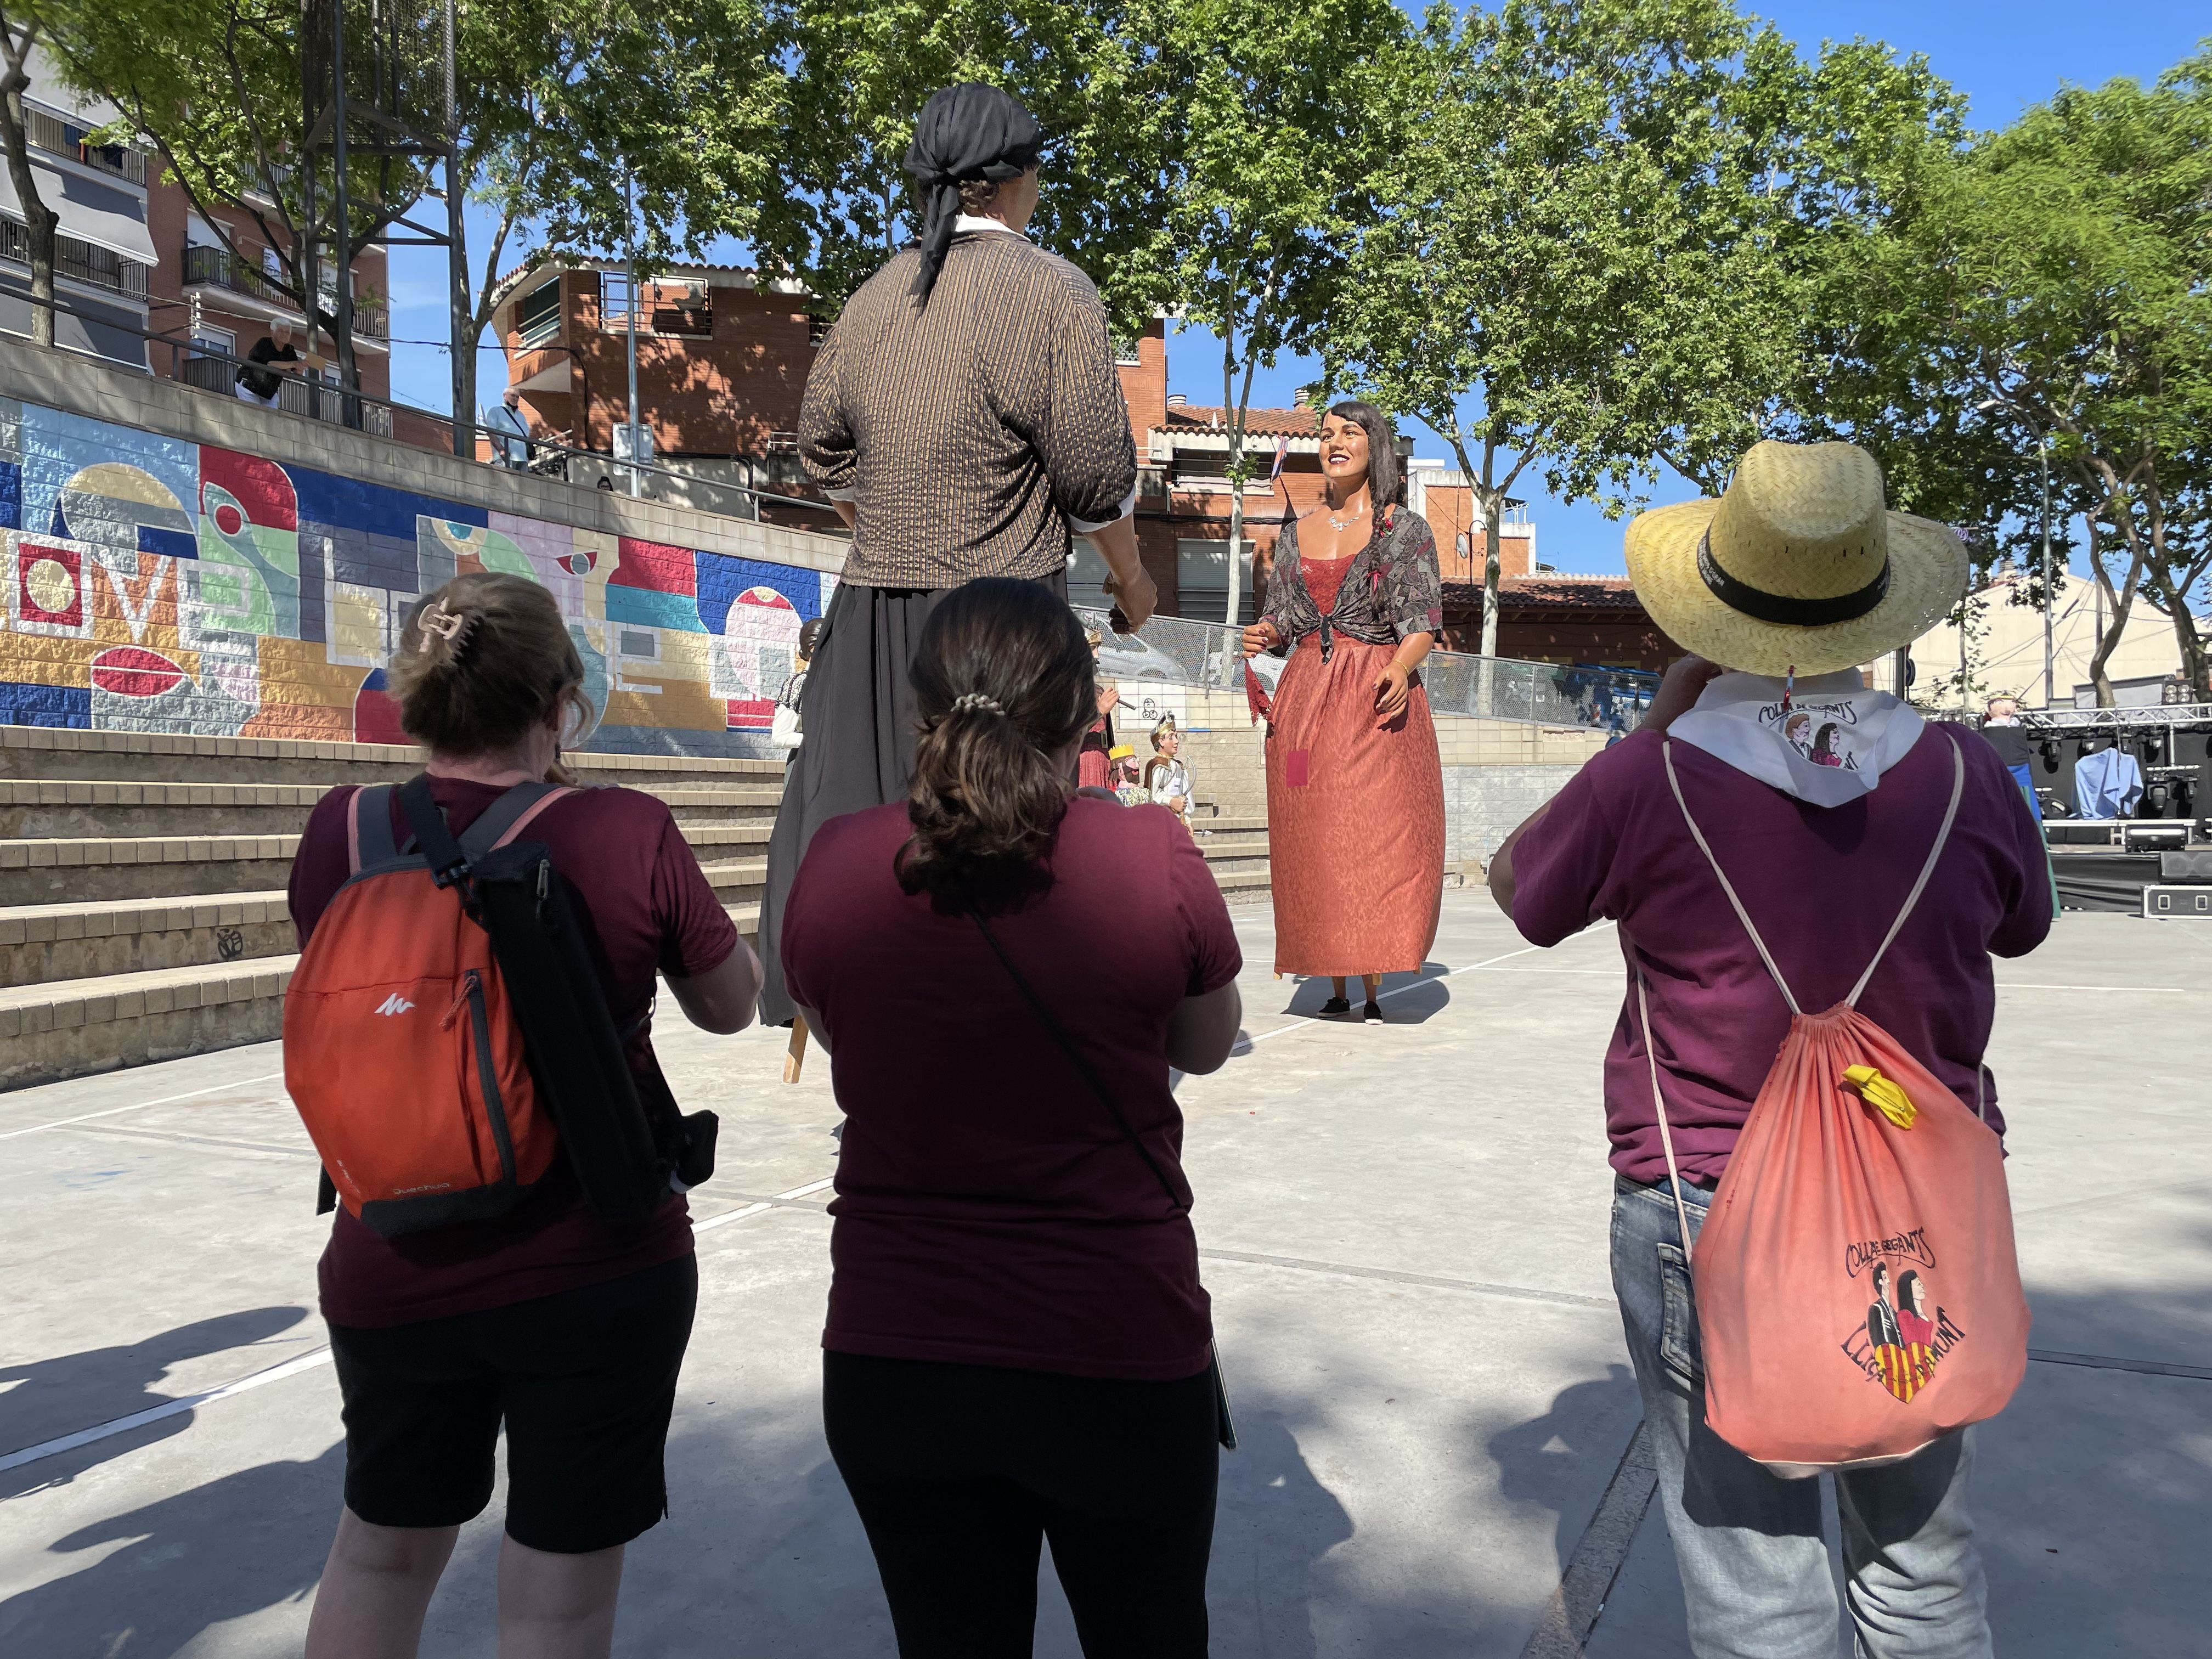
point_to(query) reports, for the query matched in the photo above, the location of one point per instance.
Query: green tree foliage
(861, 71)
(1571, 274)
(1281, 127)
(2050, 286)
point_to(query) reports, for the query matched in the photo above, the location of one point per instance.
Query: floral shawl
(1393, 588)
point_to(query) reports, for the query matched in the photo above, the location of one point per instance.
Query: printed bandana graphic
(1827, 741)
(1906, 1333)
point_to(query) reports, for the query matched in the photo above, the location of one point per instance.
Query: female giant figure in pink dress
(1355, 793)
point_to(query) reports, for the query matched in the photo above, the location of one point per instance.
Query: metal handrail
(1183, 651)
(189, 350)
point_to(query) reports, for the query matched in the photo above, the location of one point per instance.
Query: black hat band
(1781, 608)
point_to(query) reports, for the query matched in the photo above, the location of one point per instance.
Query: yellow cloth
(1884, 1096)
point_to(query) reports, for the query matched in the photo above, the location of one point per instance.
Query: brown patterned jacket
(971, 433)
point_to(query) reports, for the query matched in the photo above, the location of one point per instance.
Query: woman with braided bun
(1017, 1344)
(551, 1324)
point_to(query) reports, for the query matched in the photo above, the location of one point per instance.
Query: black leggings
(959, 1472)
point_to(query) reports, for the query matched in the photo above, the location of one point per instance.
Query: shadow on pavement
(54, 1397)
(218, 1552)
(1407, 999)
(1563, 1459)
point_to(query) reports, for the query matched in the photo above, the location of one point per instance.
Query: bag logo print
(1905, 1334)
(393, 1004)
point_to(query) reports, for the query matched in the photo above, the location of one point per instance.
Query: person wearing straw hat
(1821, 799)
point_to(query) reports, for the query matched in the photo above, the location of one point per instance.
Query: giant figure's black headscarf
(964, 132)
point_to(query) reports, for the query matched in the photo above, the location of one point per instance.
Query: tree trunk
(39, 219)
(1491, 510)
(2195, 667)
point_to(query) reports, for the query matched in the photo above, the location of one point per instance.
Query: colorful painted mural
(159, 586)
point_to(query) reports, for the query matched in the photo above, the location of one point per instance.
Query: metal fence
(1178, 651)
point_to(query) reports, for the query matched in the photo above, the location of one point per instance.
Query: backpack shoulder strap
(509, 816)
(425, 817)
(369, 829)
(1727, 886)
(1912, 898)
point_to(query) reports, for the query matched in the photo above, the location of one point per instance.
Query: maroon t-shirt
(643, 899)
(1822, 884)
(989, 1209)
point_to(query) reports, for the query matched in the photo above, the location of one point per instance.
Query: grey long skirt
(857, 718)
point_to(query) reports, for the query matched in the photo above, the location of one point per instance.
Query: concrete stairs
(142, 878)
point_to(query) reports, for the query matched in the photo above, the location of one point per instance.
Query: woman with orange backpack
(497, 1287)
(1779, 1169)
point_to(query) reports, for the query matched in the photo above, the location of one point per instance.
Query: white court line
(2015, 985)
(295, 1365)
(743, 1210)
(166, 1100)
(291, 1367)
(1414, 985)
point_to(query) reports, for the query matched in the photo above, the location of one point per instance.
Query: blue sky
(2002, 56)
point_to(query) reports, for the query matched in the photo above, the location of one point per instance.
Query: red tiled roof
(1258, 422)
(1552, 594)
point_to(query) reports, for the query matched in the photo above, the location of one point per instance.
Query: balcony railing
(58, 137)
(295, 395)
(214, 267)
(80, 262)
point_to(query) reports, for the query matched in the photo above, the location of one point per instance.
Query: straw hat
(1798, 565)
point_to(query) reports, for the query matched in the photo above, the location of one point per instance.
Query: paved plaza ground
(1403, 1230)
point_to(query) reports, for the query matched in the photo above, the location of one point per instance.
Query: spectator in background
(265, 383)
(2001, 730)
(1093, 767)
(510, 432)
(787, 732)
(1165, 775)
(1017, 1344)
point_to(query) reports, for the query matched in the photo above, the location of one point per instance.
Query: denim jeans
(1754, 1565)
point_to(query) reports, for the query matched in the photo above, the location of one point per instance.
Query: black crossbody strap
(1076, 1058)
(431, 834)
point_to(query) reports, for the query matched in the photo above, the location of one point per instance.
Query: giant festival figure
(1355, 790)
(965, 417)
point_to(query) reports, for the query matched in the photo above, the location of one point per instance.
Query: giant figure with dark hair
(965, 418)
(1355, 790)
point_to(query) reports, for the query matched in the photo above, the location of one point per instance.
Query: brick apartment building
(133, 259)
(722, 364)
(722, 361)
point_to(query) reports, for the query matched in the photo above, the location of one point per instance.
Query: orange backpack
(402, 1050)
(1857, 1292)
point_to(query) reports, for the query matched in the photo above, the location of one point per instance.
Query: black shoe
(1372, 1015)
(1336, 1006)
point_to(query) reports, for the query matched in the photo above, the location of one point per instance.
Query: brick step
(93, 870)
(737, 881)
(1248, 845)
(40, 751)
(99, 869)
(43, 808)
(67, 1028)
(71, 1027)
(41, 943)
(1226, 826)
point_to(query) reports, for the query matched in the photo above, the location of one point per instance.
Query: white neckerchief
(976, 222)
(1831, 746)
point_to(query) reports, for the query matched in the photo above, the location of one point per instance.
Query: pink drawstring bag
(1857, 1292)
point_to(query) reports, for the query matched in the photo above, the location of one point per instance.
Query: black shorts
(583, 1379)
